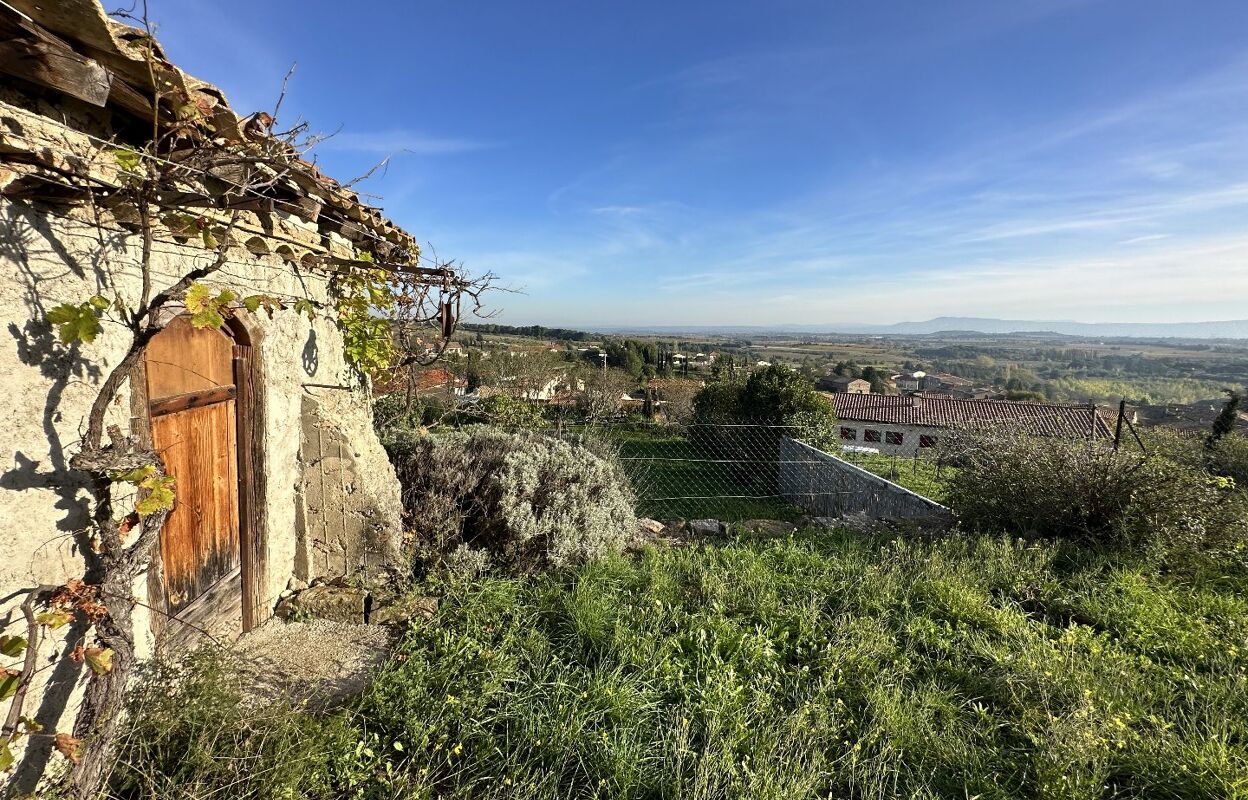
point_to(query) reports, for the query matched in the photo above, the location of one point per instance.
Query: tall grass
(828, 666)
(823, 665)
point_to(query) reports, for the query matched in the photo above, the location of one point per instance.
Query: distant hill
(965, 326)
(1229, 329)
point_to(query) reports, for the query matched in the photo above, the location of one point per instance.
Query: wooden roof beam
(32, 53)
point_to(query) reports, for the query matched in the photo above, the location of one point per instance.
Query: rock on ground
(325, 601)
(705, 527)
(403, 610)
(322, 662)
(651, 526)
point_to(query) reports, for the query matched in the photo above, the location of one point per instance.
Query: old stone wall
(316, 427)
(345, 527)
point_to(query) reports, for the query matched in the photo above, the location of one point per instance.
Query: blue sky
(634, 163)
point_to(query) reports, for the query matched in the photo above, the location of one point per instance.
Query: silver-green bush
(528, 500)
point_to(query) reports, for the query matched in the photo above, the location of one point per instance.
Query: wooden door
(192, 395)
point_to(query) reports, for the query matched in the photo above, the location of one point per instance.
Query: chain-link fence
(748, 471)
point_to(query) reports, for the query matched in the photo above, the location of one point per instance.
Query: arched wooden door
(192, 397)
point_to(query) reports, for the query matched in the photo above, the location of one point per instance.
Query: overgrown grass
(823, 665)
(678, 479)
(919, 475)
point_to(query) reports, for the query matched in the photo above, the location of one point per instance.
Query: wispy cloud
(1159, 284)
(1152, 237)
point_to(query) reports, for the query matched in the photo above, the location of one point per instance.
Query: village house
(845, 385)
(917, 381)
(909, 424)
(962, 388)
(262, 421)
(536, 390)
(448, 350)
(439, 382)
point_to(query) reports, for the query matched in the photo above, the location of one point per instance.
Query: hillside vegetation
(1084, 634)
(823, 665)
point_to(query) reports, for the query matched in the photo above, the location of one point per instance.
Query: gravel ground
(322, 662)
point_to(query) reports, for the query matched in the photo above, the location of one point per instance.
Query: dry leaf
(68, 746)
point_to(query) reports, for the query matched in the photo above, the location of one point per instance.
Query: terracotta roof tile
(1045, 419)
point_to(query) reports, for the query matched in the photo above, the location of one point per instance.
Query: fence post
(1122, 412)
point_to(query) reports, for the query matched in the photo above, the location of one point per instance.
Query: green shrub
(1228, 457)
(530, 501)
(718, 404)
(392, 412)
(772, 397)
(506, 411)
(1225, 457)
(777, 394)
(1089, 493)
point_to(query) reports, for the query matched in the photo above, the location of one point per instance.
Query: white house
(907, 425)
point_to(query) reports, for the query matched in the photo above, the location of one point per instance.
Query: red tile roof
(437, 378)
(428, 381)
(1045, 419)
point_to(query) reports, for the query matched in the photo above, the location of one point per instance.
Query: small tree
(776, 394)
(1227, 418)
(603, 396)
(747, 420)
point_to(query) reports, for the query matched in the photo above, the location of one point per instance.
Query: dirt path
(319, 661)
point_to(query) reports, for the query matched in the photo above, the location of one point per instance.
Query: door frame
(249, 406)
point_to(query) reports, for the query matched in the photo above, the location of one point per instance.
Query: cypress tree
(1227, 417)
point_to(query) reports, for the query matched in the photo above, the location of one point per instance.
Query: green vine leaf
(54, 619)
(180, 224)
(159, 489)
(129, 159)
(9, 683)
(255, 302)
(134, 476)
(366, 337)
(208, 310)
(78, 323)
(159, 497)
(6, 757)
(304, 306)
(12, 646)
(99, 659)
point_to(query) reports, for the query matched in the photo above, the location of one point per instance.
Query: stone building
(909, 424)
(263, 422)
(845, 384)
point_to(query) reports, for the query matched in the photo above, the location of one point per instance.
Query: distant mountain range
(1228, 329)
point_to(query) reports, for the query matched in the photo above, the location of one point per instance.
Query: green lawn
(822, 665)
(678, 479)
(919, 475)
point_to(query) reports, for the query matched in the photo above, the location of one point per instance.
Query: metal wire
(740, 471)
